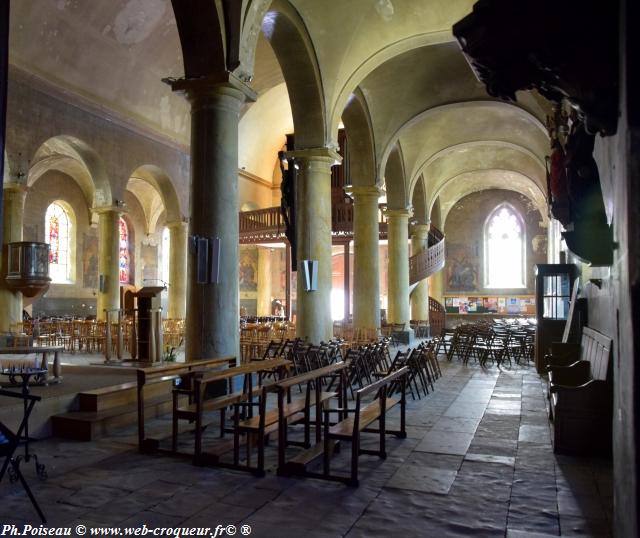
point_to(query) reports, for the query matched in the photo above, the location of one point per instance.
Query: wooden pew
(581, 397)
(314, 397)
(165, 372)
(351, 427)
(196, 410)
(257, 428)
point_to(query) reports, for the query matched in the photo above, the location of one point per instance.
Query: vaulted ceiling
(422, 101)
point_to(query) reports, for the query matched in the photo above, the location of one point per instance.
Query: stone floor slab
(445, 443)
(422, 478)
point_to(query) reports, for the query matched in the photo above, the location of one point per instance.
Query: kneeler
(9, 443)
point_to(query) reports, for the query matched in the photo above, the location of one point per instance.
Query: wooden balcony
(267, 225)
(429, 261)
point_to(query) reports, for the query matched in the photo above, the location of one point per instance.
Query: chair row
(483, 342)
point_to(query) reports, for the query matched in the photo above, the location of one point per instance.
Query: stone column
(213, 310)
(108, 259)
(264, 281)
(398, 234)
(420, 294)
(12, 218)
(177, 293)
(366, 264)
(436, 286)
(313, 229)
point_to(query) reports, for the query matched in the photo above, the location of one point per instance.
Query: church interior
(422, 215)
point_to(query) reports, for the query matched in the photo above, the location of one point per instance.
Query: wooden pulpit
(149, 333)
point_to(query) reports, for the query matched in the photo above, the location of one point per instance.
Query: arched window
(57, 230)
(123, 257)
(504, 235)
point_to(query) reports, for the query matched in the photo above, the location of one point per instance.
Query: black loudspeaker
(310, 274)
(202, 259)
(207, 253)
(102, 283)
(215, 260)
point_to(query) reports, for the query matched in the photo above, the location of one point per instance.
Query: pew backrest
(596, 349)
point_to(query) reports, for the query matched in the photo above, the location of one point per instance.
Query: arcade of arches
(128, 135)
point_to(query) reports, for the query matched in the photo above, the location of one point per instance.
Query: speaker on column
(215, 260)
(202, 259)
(207, 253)
(310, 274)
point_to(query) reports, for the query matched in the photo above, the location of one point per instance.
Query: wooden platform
(104, 410)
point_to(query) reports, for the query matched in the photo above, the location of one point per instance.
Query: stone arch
(422, 166)
(78, 160)
(418, 198)
(200, 22)
(394, 178)
(293, 47)
(425, 115)
(359, 131)
(502, 179)
(156, 193)
(435, 215)
(376, 60)
(254, 12)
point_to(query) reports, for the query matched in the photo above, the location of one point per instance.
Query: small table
(25, 375)
(44, 362)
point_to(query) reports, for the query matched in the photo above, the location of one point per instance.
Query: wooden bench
(289, 411)
(159, 374)
(351, 427)
(581, 396)
(313, 380)
(195, 410)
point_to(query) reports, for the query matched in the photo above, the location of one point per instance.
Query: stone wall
(464, 230)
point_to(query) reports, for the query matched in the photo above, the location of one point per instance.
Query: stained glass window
(124, 261)
(504, 249)
(57, 234)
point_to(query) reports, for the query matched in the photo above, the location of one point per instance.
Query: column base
(404, 337)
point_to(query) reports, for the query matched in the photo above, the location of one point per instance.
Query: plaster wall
(254, 190)
(464, 230)
(56, 186)
(38, 111)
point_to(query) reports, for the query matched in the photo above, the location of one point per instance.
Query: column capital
(103, 210)
(364, 191)
(14, 186)
(328, 155)
(420, 231)
(177, 224)
(398, 213)
(216, 84)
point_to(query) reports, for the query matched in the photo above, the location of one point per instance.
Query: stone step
(121, 395)
(92, 425)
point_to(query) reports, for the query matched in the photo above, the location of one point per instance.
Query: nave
(477, 461)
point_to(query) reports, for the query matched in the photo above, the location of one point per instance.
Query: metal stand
(10, 442)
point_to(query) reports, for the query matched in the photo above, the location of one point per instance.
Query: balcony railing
(262, 225)
(429, 261)
(267, 225)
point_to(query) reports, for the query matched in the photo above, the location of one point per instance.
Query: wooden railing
(429, 261)
(262, 225)
(437, 317)
(267, 225)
